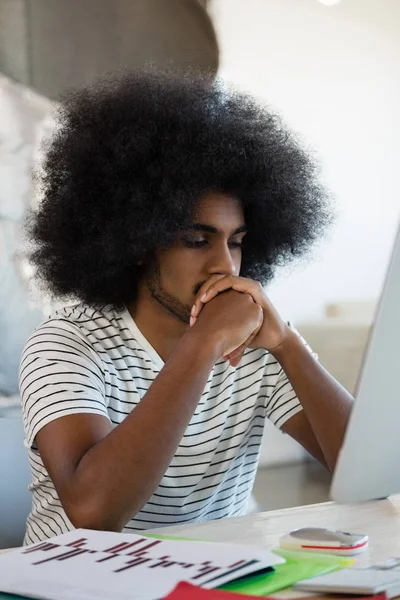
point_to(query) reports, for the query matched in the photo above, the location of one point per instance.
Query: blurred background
(331, 68)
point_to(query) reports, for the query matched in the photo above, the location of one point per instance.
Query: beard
(167, 300)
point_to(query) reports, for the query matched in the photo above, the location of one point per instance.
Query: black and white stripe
(83, 360)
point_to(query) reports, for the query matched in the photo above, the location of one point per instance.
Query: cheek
(177, 267)
(179, 275)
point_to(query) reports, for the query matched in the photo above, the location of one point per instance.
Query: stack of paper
(85, 564)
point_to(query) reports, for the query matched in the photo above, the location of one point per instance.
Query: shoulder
(67, 331)
(82, 317)
(79, 320)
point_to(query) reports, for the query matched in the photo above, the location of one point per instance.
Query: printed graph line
(145, 548)
(236, 569)
(45, 546)
(64, 556)
(78, 543)
(131, 564)
(142, 556)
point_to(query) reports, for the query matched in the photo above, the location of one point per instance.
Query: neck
(162, 329)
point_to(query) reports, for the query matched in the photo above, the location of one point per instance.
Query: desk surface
(379, 519)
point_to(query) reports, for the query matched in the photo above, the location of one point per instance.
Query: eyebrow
(211, 229)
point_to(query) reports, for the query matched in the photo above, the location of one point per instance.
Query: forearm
(326, 403)
(119, 474)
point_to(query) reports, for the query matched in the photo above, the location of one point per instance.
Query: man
(167, 202)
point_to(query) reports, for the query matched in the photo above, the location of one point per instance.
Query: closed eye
(195, 243)
(202, 243)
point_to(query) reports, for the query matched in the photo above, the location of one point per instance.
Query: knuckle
(247, 298)
(259, 311)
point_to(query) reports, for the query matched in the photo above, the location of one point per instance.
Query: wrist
(289, 345)
(201, 344)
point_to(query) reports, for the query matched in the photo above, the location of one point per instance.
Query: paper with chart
(86, 564)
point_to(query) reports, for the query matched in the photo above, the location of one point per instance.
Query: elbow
(97, 522)
(94, 515)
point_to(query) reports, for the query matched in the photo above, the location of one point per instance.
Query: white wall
(22, 117)
(334, 74)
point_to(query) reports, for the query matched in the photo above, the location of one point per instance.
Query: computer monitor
(368, 466)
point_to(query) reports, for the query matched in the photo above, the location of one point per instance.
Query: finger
(239, 284)
(236, 356)
(197, 308)
(245, 344)
(239, 350)
(198, 304)
(217, 286)
(235, 361)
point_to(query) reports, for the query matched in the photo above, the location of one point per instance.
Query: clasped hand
(273, 330)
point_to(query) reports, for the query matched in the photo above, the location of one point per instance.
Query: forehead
(220, 210)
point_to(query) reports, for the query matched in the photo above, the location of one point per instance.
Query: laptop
(368, 466)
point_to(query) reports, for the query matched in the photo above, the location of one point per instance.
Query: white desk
(379, 519)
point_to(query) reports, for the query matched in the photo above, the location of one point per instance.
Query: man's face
(211, 246)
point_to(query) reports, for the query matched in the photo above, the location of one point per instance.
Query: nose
(221, 261)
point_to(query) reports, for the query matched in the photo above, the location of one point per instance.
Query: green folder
(298, 566)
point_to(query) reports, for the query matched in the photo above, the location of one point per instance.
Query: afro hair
(131, 158)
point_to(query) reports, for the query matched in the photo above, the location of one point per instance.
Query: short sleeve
(60, 375)
(283, 402)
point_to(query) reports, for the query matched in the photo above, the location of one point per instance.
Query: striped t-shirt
(84, 360)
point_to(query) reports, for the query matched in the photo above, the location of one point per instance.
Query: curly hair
(131, 158)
